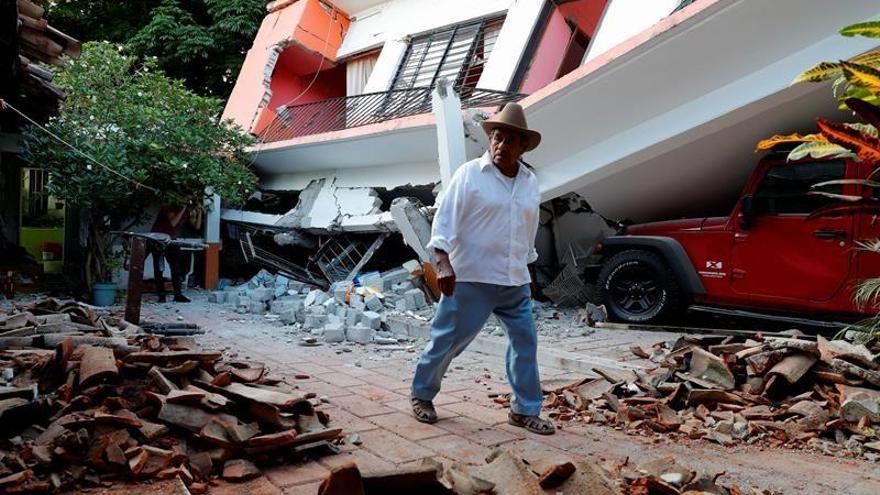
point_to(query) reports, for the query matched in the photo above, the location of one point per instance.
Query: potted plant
(104, 288)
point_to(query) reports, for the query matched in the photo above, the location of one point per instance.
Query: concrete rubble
(795, 391)
(87, 400)
(507, 473)
(389, 308)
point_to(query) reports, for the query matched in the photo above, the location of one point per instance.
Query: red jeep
(775, 253)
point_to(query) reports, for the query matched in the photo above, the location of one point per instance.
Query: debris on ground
(88, 399)
(793, 391)
(387, 308)
(391, 309)
(507, 473)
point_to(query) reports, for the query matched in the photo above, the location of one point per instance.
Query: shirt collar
(486, 161)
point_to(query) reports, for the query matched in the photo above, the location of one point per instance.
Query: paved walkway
(368, 388)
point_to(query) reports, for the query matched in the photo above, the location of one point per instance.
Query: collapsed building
(358, 103)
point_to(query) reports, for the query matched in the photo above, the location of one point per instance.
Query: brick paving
(367, 392)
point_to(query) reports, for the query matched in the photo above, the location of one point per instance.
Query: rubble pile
(779, 391)
(92, 399)
(384, 308)
(506, 473)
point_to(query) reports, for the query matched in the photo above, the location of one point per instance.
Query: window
(786, 189)
(458, 54)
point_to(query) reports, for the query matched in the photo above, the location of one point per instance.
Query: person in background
(168, 222)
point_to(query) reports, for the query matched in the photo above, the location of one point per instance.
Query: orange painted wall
(304, 25)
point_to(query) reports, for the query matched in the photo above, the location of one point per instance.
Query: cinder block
(315, 321)
(288, 317)
(357, 302)
(401, 305)
(352, 316)
(374, 303)
(243, 302)
(316, 310)
(419, 329)
(257, 307)
(330, 305)
(217, 297)
(373, 280)
(371, 319)
(340, 290)
(315, 297)
(415, 299)
(402, 287)
(261, 294)
(334, 332)
(396, 276)
(360, 334)
(398, 326)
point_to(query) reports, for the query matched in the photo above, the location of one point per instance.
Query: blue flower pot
(103, 294)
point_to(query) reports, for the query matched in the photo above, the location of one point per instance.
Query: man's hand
(445, 273)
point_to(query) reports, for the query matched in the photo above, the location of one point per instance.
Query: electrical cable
(6, 104)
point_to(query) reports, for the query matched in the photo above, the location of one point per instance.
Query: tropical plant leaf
(869, 29)
(866, 111)
(872, 245)
(866, 147)
(846, 182)
(863, 76)
(822, 71)
(837, 209)
(866, 129)
(819, 149)
(770, 143)
(871, 59)
(848, 198)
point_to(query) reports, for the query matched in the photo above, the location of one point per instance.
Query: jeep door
(786, 255)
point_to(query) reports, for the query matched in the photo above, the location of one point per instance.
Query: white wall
(624, 19)
(512, 40)
(399, 18)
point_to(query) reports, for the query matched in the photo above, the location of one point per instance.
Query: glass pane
(786, 189)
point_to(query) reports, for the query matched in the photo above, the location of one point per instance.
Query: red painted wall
(548, 56)
(584, 13)
(288, 86)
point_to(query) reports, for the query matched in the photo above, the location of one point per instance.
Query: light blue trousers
(459, 320)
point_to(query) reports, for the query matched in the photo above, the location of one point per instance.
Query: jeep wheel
(638, 287)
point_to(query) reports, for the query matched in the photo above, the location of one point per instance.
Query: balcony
(294, 121)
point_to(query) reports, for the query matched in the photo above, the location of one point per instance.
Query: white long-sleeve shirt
(487, 223)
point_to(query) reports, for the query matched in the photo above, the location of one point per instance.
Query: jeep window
(785, 189)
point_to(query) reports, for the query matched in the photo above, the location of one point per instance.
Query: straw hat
(513, 117)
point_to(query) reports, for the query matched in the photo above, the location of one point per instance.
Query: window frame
(409, 73)
(775, 212)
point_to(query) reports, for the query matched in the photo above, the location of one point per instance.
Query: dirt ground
(365, 388)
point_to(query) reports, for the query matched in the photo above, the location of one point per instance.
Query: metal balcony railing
(371, 108)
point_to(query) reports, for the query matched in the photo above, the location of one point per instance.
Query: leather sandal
(534, 424)
(423, 410)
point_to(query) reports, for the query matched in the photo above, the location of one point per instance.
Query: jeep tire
(637, 286)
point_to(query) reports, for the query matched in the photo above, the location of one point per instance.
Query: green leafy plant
(202, 42)
(160, 144)
(857, 87)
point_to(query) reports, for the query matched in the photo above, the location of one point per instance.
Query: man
(483, 240)
(168, 222)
